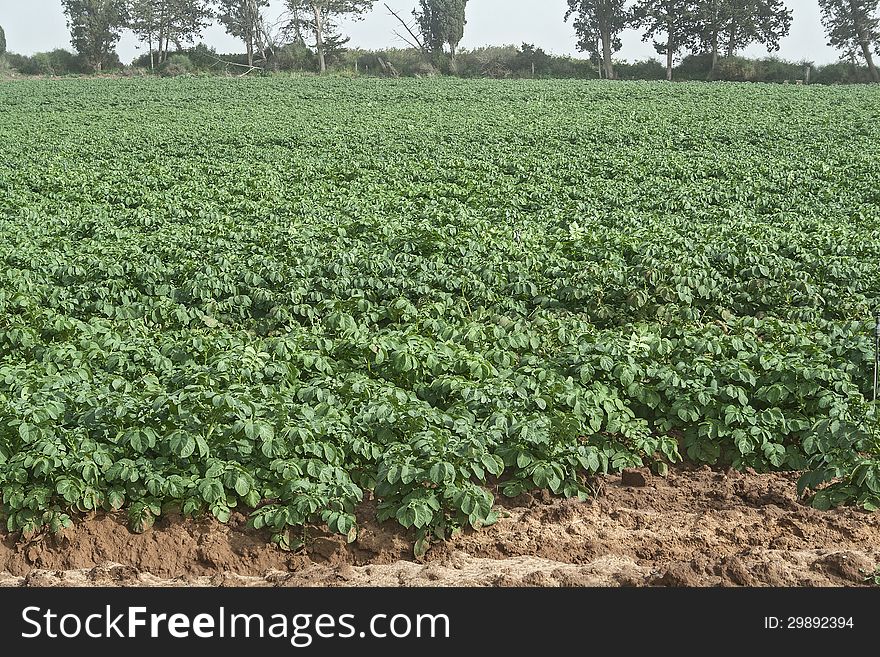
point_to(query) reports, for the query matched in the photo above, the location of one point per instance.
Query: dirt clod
(849, 566)
(636, 478)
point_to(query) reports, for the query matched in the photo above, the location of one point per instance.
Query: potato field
(286, 296)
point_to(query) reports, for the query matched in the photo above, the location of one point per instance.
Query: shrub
(294, 57)
(55, 62)
(489, 62)
(175, 65)
(694, 67)
(842, 73)
(773, 69)
(202, 57)
(736, 69)
(646, 69)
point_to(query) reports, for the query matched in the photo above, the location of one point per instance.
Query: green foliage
(204, 311)
(320, 19)
(598, 25)
(673, 20)
(95, 27)
(243, 19)
(441, 23)
(2, 41)
(646, 69)
(176, 64)
(159, 24)
(853, 27)
(294, 57)
(56, 62)
(731, 25)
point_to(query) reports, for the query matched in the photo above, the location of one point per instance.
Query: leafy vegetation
(427, 291)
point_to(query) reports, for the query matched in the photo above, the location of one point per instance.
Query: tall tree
(598, 24)
(710, 19)
(95, 28)
(756, 21)
(320, 18)
(854, 26)
(731, 25)
(674, 19)
(143, 20)
(243, 19)
(169, 22)
(2, 41)
(441, 23)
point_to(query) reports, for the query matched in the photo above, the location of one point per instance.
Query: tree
(756, 21)
(441, 23)
(243, 19)
(598, 24)
(143, 20)
(161, 23)
(319, 17)
(710, 18)
(672, 18)
(853, 26)
(95, 27)
(732, 25)
(2, 41)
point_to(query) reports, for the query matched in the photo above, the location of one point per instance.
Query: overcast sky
(38, 25)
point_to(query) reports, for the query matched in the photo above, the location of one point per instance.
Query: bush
(842, 73)
(293, 57)
(55, 62)
(407, 62)
(694, 67)
(735, 69)
(488, 62)
(177, 64)
(646, 69)
(773, 69)
(202, 57)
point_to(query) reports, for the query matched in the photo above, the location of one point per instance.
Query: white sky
(39, 25)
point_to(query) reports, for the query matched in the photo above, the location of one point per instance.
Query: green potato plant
(284, 295)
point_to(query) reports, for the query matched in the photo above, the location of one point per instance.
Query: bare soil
(697, 527)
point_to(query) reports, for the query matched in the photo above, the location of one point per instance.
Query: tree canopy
(95, 28)
(672, 19)
(598, 24)
(853, 27)
(320, 18)
(243, 20)
(441, 23)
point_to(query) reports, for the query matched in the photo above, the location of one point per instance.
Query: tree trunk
(606, 55)
(150, 42)
(869, 58)
(864, 42)
(319, 38)
(714, 56)
(161, 32)
(731, 44)
(250, 51)
(670, 54)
